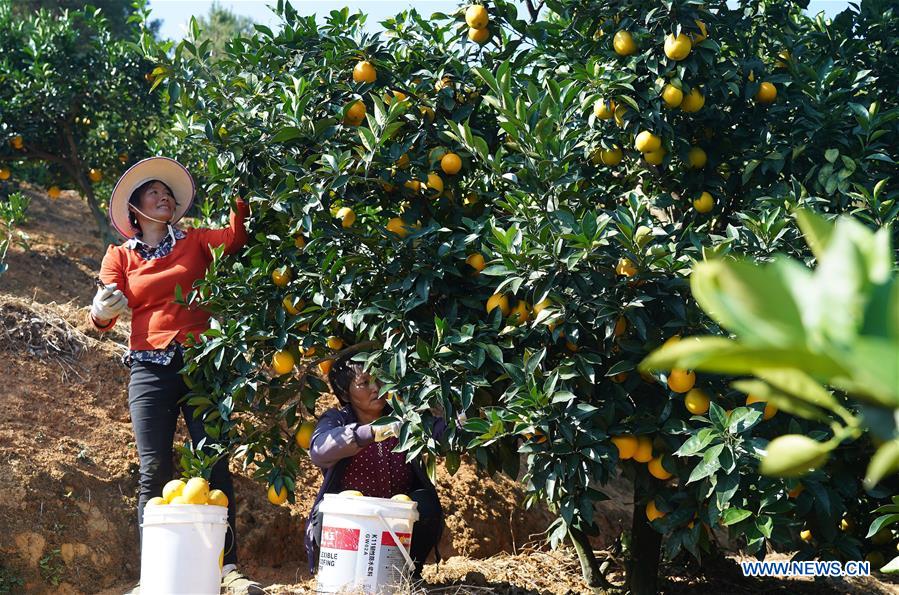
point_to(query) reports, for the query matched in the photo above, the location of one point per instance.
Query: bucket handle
(396, 540)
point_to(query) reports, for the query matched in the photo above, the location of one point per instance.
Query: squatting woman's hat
(166, 170)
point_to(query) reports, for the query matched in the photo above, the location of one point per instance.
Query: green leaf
(756, 303)
(892, 566)
(816, 229)
(782, 400)
(725, 356)
(793, 455)
(881, 522)
(831, 155)
(884, 462)
(696, 443)
(286, 134)
(732, 516)
(708, 465)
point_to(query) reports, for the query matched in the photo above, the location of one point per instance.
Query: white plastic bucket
(181, 547)
(365, 543)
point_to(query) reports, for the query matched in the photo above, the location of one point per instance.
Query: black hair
(135, 200)
(342, 374)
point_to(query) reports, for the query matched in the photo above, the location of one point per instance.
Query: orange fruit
(681, 381)
(539, 306)
(172, 489)
(806, 535)
(299, 241)
(196, 491)
(335, 343)
(451, 164)
(767, 93)
(604, 109)
(644, 449)
(476, 261)
(292, 306)
(697, 402)
(123, 157)
(693, 101)
(355, 114)
(277, 498)
(677, 48)
(403, 161)
(281, 276)
(627, 446)
(770, 409)
(646, 141)
(413, 185)
(303, 437)
(282, 362)
(625, 267)
(794, 493)
(611, 157)
(697, 158)
(156, 501)
(17, 142)
(653, 513)
(498, 300)
(655, 157)
(521, 313)
(476, 16)
(95, 175)
(623, 43)
(704, 203)
(217, 498)
(434, 183)
(364, 72)
(703, 32)
(347, 217)
(350, 494)
(4, 173)
(620, 326)
(53, 192)
(479, 36)
(657, 470)
(672, 96)
(401, 498)
(428, 113)
(397, 226)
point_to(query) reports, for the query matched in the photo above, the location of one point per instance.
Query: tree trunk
(99, 216)
(646, 544)
(76, 170)
(590, 569)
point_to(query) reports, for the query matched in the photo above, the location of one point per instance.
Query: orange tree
(74, 101)
(501, 220)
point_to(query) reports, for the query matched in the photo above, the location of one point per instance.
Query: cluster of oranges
(674, 95)
(194, 491)
(476, 18)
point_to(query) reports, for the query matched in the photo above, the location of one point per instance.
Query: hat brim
(164, 169)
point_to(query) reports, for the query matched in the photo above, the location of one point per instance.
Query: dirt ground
(68, 463)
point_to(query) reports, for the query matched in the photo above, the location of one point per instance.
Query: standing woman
(142, 274)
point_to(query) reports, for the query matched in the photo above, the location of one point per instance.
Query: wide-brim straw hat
(166, 170)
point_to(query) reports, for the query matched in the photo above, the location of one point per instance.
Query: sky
(175, 14)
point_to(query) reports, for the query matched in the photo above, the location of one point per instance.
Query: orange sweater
(149, 285)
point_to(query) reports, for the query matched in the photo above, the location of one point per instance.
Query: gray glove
(109, 303)
(386, 431)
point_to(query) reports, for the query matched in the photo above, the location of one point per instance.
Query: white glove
(386, 431)
(109, 303)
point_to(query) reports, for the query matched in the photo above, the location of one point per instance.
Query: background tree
(220, 26)
(74, 99)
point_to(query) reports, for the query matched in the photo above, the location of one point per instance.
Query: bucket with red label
(365, 544)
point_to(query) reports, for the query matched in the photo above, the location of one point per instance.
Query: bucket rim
(367, 506)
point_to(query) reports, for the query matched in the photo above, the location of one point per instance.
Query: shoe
(234, 583)
(135, 590)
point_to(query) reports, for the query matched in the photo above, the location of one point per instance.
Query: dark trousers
(153, 398)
